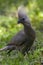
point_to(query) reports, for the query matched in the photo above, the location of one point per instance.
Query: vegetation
(9, 27)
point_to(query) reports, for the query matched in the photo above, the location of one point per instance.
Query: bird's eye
(23, 18)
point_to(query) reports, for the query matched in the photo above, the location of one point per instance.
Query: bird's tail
(7, 48)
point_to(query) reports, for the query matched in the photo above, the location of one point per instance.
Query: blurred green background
(9, 27)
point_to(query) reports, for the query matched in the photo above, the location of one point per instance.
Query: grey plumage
(24, 39)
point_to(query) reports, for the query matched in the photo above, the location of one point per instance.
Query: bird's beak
(18, 21)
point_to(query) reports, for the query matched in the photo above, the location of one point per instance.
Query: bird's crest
(21, 11)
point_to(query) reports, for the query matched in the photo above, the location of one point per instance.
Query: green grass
(8, 28)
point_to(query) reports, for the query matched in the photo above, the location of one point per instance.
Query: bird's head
(22, 16)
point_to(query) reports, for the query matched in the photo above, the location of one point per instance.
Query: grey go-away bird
(24, 39)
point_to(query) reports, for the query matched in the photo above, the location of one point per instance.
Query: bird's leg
(9, 52)
(23, 53)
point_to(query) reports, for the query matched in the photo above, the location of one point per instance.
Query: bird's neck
(28, 29)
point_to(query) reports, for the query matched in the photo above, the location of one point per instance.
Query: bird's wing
(18, 39)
